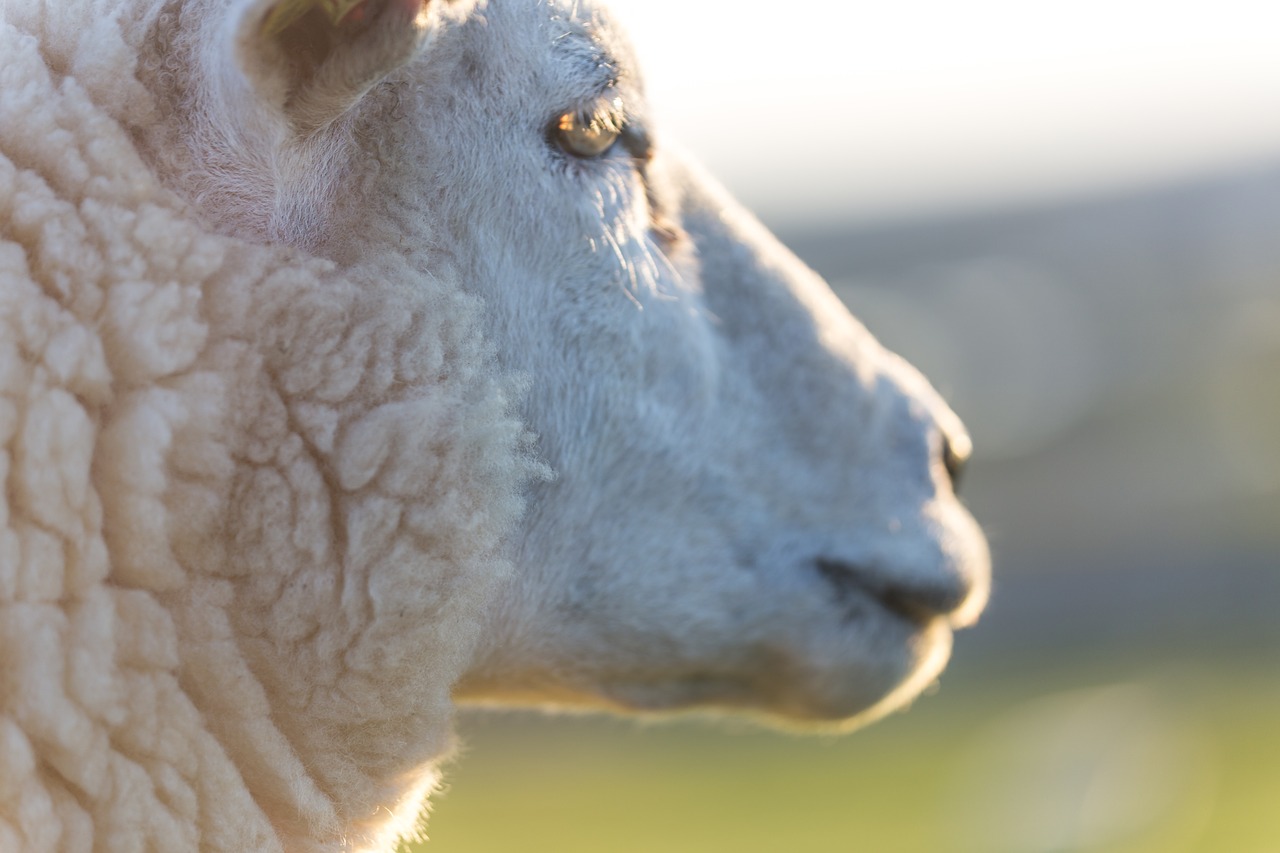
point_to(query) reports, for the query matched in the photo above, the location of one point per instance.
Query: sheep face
(752, 506)
(752, 503)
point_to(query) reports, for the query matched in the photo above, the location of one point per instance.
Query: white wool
(219, 457)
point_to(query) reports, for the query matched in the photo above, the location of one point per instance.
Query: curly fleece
(253, 504)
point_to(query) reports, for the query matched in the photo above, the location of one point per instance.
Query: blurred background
(1068, 216)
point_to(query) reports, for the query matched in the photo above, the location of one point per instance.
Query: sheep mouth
(919, 605)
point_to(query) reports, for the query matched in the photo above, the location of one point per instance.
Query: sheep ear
(313, 59)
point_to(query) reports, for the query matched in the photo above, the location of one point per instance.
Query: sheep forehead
(574, 48)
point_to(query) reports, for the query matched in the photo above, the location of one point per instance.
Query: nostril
(917, 601)
(955, 458)
(910, 605)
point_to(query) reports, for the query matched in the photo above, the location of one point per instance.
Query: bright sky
(822, 106)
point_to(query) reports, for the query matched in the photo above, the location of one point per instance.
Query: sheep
(358, 359)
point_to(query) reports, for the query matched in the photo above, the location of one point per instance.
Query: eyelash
(592, 132)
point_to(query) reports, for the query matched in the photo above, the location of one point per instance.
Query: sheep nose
(956, 450)
(918, 600)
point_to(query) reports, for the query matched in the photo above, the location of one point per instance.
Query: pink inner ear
(287, 12)
(339, 9)
(356, 14)
(330, 52)
(360, 12)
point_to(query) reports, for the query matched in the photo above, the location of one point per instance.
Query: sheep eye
(589, 134)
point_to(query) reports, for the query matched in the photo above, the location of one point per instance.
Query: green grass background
(952, 774)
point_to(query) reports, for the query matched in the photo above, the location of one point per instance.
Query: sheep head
(753, 502)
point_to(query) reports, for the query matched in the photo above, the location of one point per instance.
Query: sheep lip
(854, 584)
